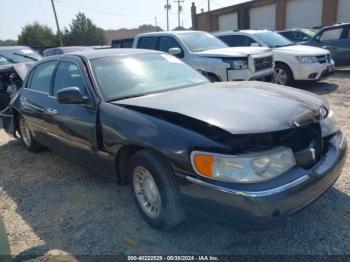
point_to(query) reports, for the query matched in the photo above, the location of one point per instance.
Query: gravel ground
(51, 206)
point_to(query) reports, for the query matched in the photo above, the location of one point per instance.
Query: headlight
(249, 168)
(236, 64)
(307, 59)
(329, 125)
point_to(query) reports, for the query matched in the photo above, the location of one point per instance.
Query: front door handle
(51, 111)
(23, 100)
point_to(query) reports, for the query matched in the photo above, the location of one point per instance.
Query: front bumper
(261, 208)
(247, 74)
(312, 72)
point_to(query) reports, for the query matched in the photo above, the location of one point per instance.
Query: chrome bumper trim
(264, 193)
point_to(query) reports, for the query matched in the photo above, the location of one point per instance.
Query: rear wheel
(283, 75)
(155, 191)
(26, 137)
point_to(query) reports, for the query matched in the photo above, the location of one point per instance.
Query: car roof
(94, 54)
(169, 33)
(7, 48)
(250, 31)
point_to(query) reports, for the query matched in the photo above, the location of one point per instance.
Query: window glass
(147, 42)
(138, 75)
(41, 77)
(4, 61)
(166, 42)
(333, 34)
(68, 75)
(237, 40)
(272, 39)
(289, 35)
(200, 41)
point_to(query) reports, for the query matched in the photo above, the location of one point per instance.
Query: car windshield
(200, 41)
(272, 39)
(24, 55)
(138, 75)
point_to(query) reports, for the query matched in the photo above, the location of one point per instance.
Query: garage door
(263, 17)
(228, 22)
(343, 11)
(304, 13)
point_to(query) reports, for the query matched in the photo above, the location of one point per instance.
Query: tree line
(81, 31)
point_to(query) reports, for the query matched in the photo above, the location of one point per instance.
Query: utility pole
(208, 5)
(167, 7)
(179, 9)
(155, 19)
(58, 27)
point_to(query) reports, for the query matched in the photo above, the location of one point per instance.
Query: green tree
(149, 28)
(83, 32)
(8, 42)
(37, 35)
(179, 28)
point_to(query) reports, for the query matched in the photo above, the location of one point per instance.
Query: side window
(148, 42)
(41, 77)
(332, 34)
(166, 42)
(68, 75)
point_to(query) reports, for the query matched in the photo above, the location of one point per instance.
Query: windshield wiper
(9, 59)
(276, 46)
(26, 56)
(126, 97)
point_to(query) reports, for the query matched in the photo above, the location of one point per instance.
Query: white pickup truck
(212, 57)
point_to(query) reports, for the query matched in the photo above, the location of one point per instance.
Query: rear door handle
(51, 111)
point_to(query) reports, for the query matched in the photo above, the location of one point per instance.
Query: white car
(211, 56)
(292, 62)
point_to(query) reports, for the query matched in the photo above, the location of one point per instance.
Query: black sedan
(251, 152)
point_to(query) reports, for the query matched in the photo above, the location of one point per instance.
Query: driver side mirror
(255, 45)
(175, 51)
(70, 95)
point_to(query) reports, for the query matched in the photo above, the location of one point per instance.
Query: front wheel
(26, 137)
(155, 191)
(283, 75)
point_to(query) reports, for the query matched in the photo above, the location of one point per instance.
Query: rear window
(147, 43)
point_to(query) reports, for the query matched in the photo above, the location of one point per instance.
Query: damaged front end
(11, 79)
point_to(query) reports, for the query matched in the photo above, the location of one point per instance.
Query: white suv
(292, 62)
(211, 56)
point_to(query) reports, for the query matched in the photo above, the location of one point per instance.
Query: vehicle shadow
(72, 210)
(325, 87)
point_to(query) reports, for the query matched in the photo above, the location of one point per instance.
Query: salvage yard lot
(50, 205)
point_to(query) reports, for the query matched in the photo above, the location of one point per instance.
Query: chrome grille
(263, 63)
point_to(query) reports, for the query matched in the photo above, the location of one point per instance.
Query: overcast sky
(108, 14)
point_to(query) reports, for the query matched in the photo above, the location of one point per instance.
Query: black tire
(283, 69)
(213, 78)
(171, 212)
(26, 137)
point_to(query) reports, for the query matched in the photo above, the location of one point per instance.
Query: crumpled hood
(233, 51)
(20, 68)
(302, 50)
(237, 107)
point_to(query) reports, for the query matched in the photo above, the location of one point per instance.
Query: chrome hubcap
(280, 76)
(146, 191)
(25, 133)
